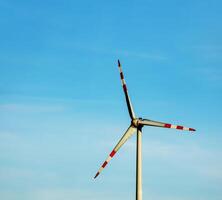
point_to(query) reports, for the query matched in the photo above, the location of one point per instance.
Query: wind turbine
(136, 126)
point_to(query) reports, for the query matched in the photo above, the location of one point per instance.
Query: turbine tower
(136, 126)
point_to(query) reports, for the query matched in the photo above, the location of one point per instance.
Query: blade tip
(96, 175)
(118, 63)
(192, 129)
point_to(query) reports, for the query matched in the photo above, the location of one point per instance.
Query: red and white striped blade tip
(106, 162)
(179, 127)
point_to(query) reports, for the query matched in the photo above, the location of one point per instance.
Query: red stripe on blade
(112, 153)
(192, 129)
(121, 75)
(124, 88)
(167, 125)
(180, 127)
(104, 164)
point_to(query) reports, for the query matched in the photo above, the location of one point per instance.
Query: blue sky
(62, 108)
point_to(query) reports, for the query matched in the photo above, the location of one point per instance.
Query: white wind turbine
(136, 126)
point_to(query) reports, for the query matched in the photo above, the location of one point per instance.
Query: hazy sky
(62, 108)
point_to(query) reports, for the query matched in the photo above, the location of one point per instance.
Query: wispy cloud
(128, 53)
(210, 73)
(143, 55)
(31, 108)
(150, 55)
(61, 193)
(208, 52)
(203, 161)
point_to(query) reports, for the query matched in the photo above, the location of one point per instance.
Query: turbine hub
(135, 122)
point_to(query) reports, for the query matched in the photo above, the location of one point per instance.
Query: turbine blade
(147, 122)
(128, 102)
(124, 138)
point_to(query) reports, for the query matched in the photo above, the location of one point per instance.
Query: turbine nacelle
(136, 122)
